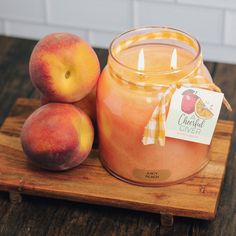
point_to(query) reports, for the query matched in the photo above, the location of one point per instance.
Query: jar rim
(162, 72)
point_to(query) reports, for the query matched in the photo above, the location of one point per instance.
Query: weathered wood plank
(211, 66)
(16, 82)
(224, 224)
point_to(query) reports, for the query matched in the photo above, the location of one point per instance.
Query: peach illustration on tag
(188, 101)
(191, 102)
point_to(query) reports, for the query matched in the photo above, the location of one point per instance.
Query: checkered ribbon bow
(155, 129)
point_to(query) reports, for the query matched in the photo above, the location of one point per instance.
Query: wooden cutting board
(197, 197)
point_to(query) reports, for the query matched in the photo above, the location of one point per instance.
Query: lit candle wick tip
(173, 62)
(141, 60)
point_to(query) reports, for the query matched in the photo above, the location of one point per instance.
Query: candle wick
(173, 62)
(141, 60)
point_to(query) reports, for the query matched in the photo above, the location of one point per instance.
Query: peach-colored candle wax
(124, 109)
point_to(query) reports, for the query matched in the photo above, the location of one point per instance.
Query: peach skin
(63, 67)
(57, 136)
(87, 104)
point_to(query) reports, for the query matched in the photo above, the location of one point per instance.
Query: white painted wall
(213, 22)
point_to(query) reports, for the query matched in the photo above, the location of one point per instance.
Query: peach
(87, 104)
(57, 136)
(63, 67)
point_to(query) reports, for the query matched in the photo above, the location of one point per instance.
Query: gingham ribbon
(154, 131)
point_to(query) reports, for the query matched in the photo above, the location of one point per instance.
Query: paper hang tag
(193, 114)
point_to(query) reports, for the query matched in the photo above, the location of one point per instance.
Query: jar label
(193, 114)
(151, 175)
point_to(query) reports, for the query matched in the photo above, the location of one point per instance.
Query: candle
(141, 64)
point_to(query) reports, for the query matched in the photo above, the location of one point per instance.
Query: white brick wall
(100, 38)
(213, 22)
(94, 14)
(195, 20)
(30, 10)
(226, 4)
(230, 28)
(37, 31)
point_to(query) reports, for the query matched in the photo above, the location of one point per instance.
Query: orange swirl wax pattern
(139, 69)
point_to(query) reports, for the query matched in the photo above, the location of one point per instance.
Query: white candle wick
(141, 60)
(173, 62)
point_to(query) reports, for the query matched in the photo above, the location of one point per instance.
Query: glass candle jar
(127, 96)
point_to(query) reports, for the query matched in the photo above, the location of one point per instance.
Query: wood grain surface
(45, 216)
(90, 182)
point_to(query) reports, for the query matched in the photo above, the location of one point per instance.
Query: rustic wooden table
(42, 216)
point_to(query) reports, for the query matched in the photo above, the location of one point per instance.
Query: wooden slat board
(197, 197)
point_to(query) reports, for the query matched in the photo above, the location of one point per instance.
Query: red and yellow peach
(57, 136)
(63, 67)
